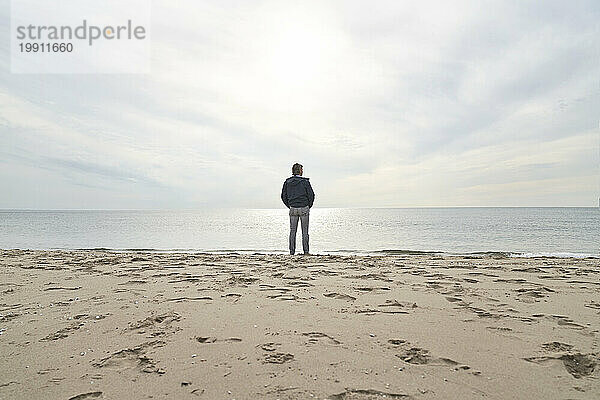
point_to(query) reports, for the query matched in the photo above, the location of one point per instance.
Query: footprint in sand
(516, 280)
(500, 328)
(557, 346)
(263, 287)
(180, 299)
(185, 279)
(593, 304)
(62, 333)
(62, 288)
(270, 346)
(299, 283)
(371, 288)
(134, 282)
(233, 297)
(241, 280)
(562, 320)
(84, 396)
(289, 297)
(371, 276)
(134, 358)
(389, 307)
(528, 269)
(212, 339)
(578, 365)
(139, 259)
(205, 339)
(326, 272)
(277, 358)
(339, 296)
(457, 300)
(272, 356)
(531, 294)
(396, 303)
(315, 336)
(366, 394)
(396, 342)
(416, 355)
(164, 319)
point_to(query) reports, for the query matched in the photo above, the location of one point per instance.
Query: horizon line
(276, 208)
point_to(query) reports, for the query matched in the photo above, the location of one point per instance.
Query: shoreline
(105, 325)
(383, 252)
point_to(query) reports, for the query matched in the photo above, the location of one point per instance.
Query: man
(298, 196)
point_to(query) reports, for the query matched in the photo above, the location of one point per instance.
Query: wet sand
(103, 325)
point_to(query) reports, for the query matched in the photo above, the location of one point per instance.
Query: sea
(558, 232)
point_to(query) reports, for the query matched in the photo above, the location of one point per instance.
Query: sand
(142, 325)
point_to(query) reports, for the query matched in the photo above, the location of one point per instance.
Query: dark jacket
(297, 192)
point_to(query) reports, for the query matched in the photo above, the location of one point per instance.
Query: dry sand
(104, 325)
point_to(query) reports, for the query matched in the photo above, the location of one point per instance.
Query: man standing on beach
(298, 196)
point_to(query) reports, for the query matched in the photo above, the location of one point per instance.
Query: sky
(386, 104)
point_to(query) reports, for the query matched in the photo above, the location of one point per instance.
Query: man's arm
(310, 193)
(284, 197)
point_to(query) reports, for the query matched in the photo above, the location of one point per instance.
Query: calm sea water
(533, 231)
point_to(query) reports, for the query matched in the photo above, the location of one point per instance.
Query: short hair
(296, 169)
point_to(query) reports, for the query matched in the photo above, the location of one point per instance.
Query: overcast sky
(385, 103)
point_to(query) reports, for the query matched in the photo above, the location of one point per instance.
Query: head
(297, 169)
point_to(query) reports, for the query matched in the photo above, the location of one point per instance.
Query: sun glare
(296, 58)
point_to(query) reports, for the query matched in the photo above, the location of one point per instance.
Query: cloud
(390, 104)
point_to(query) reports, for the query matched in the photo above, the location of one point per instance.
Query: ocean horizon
(522, 231)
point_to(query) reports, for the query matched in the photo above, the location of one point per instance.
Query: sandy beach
(141, 325)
